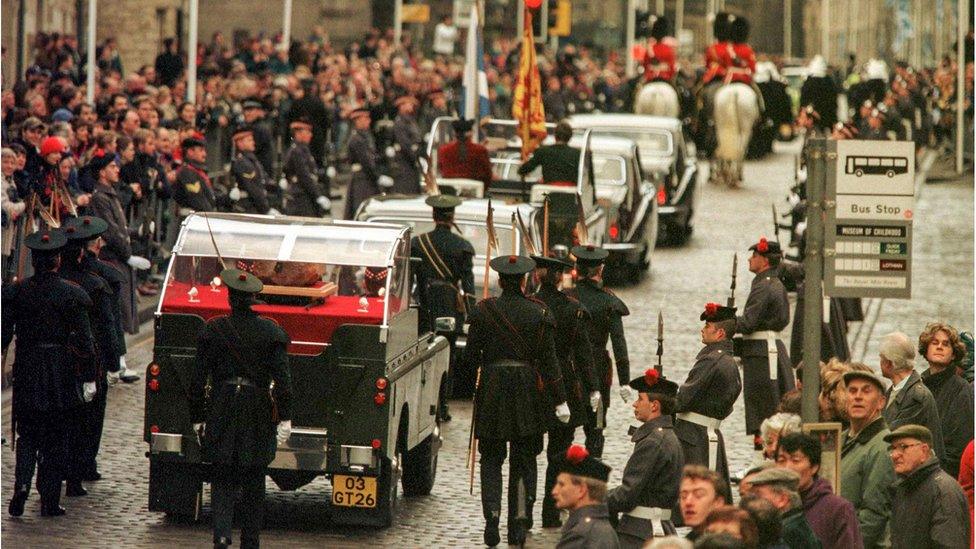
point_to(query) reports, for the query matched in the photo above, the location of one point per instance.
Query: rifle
(775, 223)
(26, 228)
(472, 440)
(545, 226)
(735, 267)
(660, 342)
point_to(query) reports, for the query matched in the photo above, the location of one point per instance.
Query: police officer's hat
(717, 313)
(84, 228)
(653, 382)
(300, 123)
(46, 240)
(766, 247)
(462, 125)
(579, 463)
(241, 281)
(191, 142)
(443, 202)
(512, 264)
(554, 263)
(405, 99)
(242, 131)
(358, 113)
(252, 104)
(589, 254)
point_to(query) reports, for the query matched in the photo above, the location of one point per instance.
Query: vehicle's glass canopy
(651, 142)
(288, 239)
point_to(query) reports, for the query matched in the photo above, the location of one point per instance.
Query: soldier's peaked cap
(84, 228)
(578, 462)
(241, 281)
(551, 262)
(405, 99)
(242, 130)
(46, 240)
(717, 313)
(443, 202)
(653, 382)
(300, 123)
(512, 264)
(357, 113)
(252, 104)
(191, 142)
(766, 247)
(589, 254)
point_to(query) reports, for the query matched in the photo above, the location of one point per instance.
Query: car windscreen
(475, 233)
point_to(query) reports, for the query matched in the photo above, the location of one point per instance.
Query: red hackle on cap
(69, 230)
(763, 245)
(86, 220)
(576, 454)
(711, 308)
(242, 277)
(45, 238)
(651, 376)
(590, 247)
(512, 259)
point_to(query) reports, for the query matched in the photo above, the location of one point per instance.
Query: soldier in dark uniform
(305, 196)
(193, 190)
(49, 316)
(444, 278)
(708, 394)
(436, 107)
(766, 370)
(580, 381)
(581, 488)
(242, 354)
(511, 341)
(366, 177)
(254, 113)
(406, 147)
(91, 416)
(250, 180)
(649, 490)
(606, 313)
(116, 282)
(559, 162)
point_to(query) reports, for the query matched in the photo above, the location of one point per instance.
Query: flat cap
(512, 264)
(777, 476)
(863, 374)
(919, 432)
(242, 281)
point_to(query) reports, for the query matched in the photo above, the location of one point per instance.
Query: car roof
(606, 144)
(636, 121)
(471, 209)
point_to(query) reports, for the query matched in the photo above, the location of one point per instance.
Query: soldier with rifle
(580, 381)
(766, 370)
(706, 397)
(511, 341)
(444, 277)
(606, 313)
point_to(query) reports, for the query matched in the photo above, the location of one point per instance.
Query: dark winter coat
(831, 517)
(929, 510)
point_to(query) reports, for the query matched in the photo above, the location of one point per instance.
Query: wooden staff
(514, 235)
(545, 226)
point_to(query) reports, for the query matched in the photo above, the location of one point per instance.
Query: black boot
(516, 532)
(51, 510)
(221, 543)
(492, 537)
(75, 489)
(17, 502)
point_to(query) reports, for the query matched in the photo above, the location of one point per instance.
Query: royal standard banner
(527, 107)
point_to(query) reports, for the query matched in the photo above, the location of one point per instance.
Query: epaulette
(71, 282)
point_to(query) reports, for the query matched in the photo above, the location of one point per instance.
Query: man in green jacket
(866, 473)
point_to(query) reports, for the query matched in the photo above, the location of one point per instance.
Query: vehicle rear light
(662, 196)
(154, 428)
(614, 231)
(153, 385)
(381, 383)
(154, 369)
(376, 443)
(379, 399)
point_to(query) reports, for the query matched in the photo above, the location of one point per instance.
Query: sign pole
(631, 66)
(191, 54)
(961, 28)
(813, 283)
(90, 76)
(397, 22)
(286, 25)
(788, 28)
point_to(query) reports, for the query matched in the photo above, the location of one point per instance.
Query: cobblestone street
(681, 280)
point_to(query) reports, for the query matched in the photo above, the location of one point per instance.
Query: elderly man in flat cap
(780, 487)
(928, 508)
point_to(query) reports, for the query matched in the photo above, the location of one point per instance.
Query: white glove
(284, 431)
(626, 393)
(113, 377)
(138, 263)
(562, 412)
(272, 211)
(594, 400)
(324, 203)
(283, 184)
(390, 152)
(234, 195)
(122, 366)
(385, 181)
(88, 390)
(330, 172)
(198, 431)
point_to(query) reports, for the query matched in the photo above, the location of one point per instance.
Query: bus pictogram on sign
(876, 165)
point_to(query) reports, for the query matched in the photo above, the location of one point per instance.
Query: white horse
(736, 112)
(658, 99)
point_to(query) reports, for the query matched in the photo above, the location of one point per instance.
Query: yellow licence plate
(349, 491)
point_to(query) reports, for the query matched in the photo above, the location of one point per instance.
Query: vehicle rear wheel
(420, 466)
(386, 489)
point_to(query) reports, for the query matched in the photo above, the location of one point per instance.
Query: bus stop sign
(870, 197)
